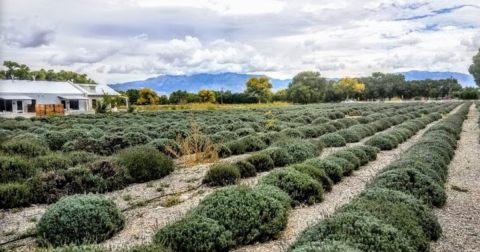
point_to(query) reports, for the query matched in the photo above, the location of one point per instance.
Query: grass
(127, 197)
(171, 201)
(459, 189)
(197, 148)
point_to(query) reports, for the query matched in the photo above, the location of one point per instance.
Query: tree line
(23, 72)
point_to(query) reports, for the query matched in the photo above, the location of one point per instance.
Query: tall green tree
(259, 87)
(307, 87)
(133, 95)
(475, 68)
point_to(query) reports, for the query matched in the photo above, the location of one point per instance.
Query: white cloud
(26, 32)
(116, 40)
(80, 55)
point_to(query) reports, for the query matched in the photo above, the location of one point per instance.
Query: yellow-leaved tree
(207, 95)
(147, 96)
(349, 87)
(259, 87)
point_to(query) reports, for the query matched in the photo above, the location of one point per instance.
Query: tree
(349, 87)
(22, 72)
(206, 95)
(475, 68)
(163, 99)
(469, 93)
(133, 95)
(178, 97)
(307, 87)
(259, 87)
(280, 96)
(147, 96)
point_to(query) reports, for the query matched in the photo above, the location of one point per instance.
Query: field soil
(460, 218)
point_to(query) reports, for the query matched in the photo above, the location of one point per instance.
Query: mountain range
(234, 82)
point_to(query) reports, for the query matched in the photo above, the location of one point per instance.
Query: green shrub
(81, 157)
(333, 140)
(349, 156)
(222, 175)
(15, 195)
(346, 166)
(248, 214)
(301, 187)
(15, 169)
(245, 132)
(369, 150)
(320, 120)
(145, 163)
(55, 139)
(53, 161)
(237, 147)
(223, 136)
(326, 246)
(224, 151)
(113, 174)
(309, 131)
(333, 170)
(412, 182)
(247, 170)
(317, 174)
(29, 147)
(381, 142)
(279, 156)
(275, 193)
(162, 145)
(196, 234)
(261, 162)
(271, 137)
(423, 168)
(50, 186)
(299, 150)
(350, 136)
(400, 210)
(79, 219)
(359, 153)
(359, 230)
(293, 133)
(252, 143)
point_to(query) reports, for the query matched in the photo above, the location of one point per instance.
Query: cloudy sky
(123, 40)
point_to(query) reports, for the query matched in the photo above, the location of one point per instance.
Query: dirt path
(342, 193)
(460, 218)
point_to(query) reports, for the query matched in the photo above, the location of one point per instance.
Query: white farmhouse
(20, 96)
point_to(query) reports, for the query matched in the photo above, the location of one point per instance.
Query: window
(74, 105)
(94, 104)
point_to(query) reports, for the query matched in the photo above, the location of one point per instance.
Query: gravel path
(343, 192)
(460, 218)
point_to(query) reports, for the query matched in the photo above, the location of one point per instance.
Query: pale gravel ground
(143, 220)
(460, 218)
(342, 193)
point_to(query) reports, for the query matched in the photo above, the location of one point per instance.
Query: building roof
(9, 87)
(92, 89)
(38, 87)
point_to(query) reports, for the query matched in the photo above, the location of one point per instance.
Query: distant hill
(236, 82)
(465, 80)
(194, 83)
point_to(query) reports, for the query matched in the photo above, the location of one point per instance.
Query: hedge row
(394, 213)
(91, 174)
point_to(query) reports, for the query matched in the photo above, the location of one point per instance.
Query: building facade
(21, 96)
